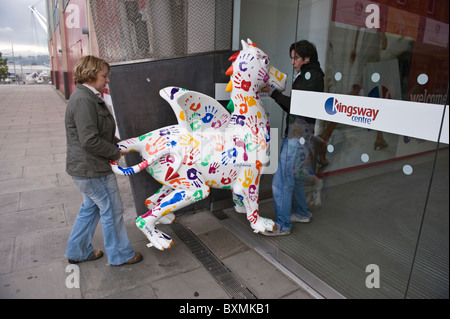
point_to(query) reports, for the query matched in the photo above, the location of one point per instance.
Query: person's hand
(122, 153)
(266, 89)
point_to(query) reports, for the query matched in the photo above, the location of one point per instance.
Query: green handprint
(206, 160)
(140, 222)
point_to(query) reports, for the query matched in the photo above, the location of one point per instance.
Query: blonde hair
(87, 68)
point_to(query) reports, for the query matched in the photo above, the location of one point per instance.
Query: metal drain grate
(217, 269)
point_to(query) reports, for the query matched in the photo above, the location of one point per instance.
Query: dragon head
(252, 66)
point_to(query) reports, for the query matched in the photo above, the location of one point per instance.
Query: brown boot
(137, 258)
(96, 254)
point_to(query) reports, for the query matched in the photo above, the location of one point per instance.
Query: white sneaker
(295, 219)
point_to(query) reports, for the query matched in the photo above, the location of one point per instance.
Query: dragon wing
(195, 110)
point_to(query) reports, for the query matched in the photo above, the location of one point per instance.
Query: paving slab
(48, 196)
(263, 279)
(197, 283)
(222, 243)
(11, 173)
(19, 185)
(32, 221)
(6, 251)
(39, 247)
(98, 279)
(44, 282)
(201, 222)
(9, 203)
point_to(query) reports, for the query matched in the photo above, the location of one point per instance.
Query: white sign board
(419, 120)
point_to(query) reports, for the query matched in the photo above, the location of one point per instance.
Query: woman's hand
(122, 153)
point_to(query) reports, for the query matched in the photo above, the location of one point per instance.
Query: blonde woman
(90, 130)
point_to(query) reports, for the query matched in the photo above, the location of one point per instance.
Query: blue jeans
(101, 201)
(287, 184)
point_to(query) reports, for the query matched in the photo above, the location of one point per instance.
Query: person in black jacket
(287, 184)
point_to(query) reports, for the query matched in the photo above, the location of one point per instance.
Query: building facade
(380, 222)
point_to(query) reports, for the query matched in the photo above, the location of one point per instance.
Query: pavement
(38, 206)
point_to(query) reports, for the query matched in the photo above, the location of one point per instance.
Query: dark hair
(304, 49)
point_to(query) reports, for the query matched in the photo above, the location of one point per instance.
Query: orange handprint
(192, 106)
(180, 182)
(243, 104)
(219, 143)
(158, 145)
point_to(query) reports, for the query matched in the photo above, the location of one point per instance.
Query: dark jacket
(315, 82)
(90, 129)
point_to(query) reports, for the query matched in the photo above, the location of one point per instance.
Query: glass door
(363, 160)
(375, 167)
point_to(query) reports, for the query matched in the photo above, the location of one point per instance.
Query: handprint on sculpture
(209, 147)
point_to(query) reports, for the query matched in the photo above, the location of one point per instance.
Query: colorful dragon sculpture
(209, 147)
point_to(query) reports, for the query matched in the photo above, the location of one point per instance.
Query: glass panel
(429, 273)
(366, 162)
(271, 26)
(367, 183)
